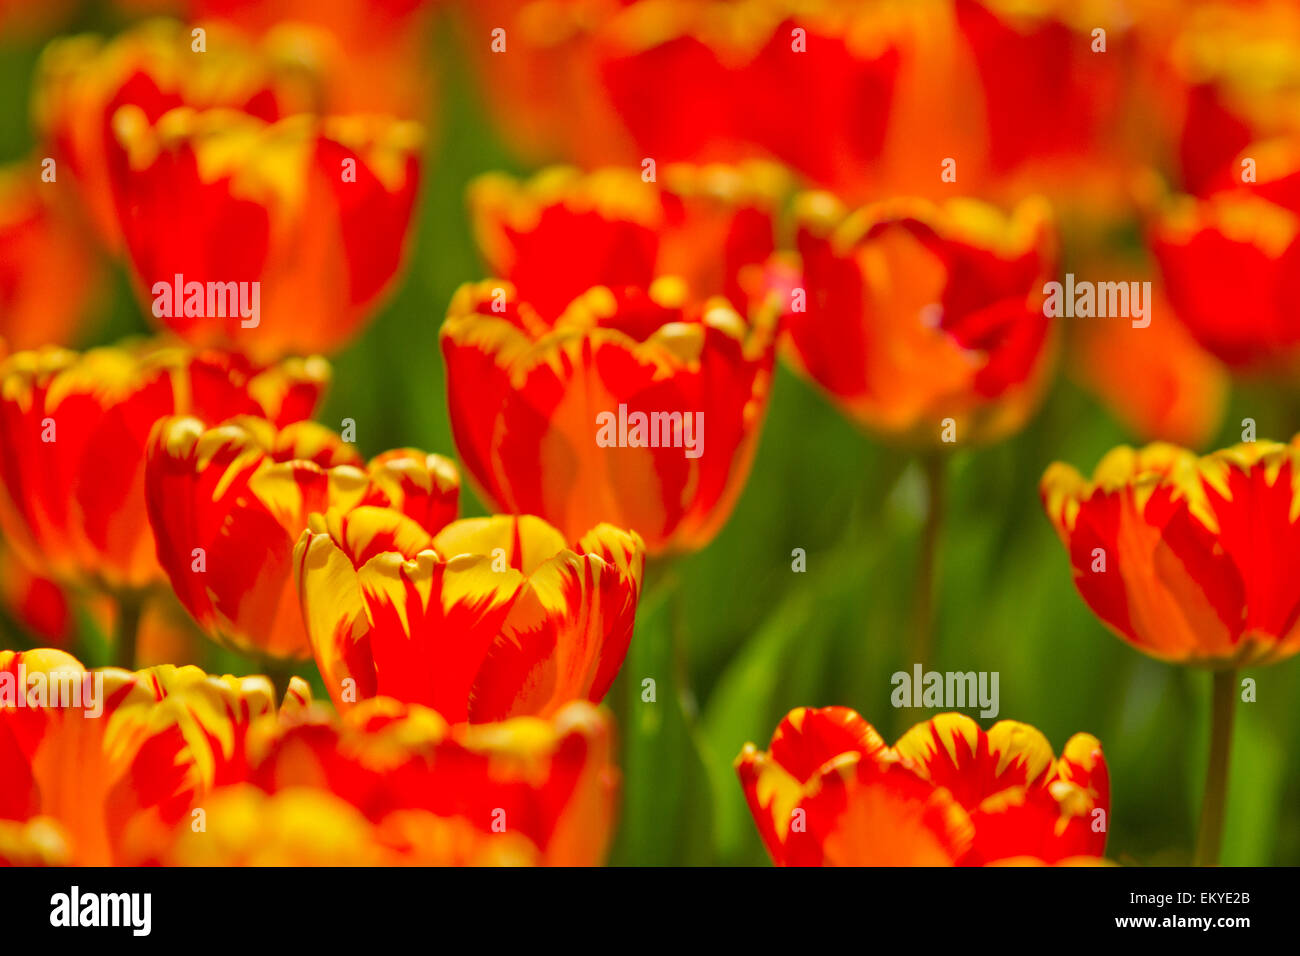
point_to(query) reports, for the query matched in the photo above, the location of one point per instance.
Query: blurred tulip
(828, 791)
(534, 403)
(311, 827)
(83, 80)
(1156, 380)
(48, 268)
(1232, 74)
(39, 841)
(490, 618)
(1039, 58)
(521, 790)
(811, 85)
(545, 85)
(115, 757)
(227, 505)
(73, 433)
(372, 56)
(35, 602)
(304, 219)
(1229, 260)
(704, 224)
(866, 99)
(1188, 560)
(916, 313)
(1184, 557)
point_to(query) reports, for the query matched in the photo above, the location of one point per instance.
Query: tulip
(1228, 262)
(1225, 83)
(488, 619)
(114, 758)
(923, 323)
(526, 789)
(305, 826)
(81, 82)
(1157, 381)
(702, 223)
(227, 505)
(41, 246)
(830, 792)
(368, 57)
(1185, 558)
(35, 602)
(73, 436)
(635, 407)
(918, 312)
(272, 238)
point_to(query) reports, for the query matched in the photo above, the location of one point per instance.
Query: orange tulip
(291, 233)
(227, 505)
(546, 87)
(1186, 557)
(371, 55)
(112, 766)
(637, 407)
(526, 789)
(82, 81)
(828, 791)
(1157, 380)
(73, 433)
(42, 248)
(490, 618)
(916, 313)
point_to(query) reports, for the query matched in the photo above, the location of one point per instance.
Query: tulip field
(649, 433)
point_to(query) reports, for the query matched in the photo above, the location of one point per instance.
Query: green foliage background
(760, 639)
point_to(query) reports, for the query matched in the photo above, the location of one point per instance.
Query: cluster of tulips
(868, 191)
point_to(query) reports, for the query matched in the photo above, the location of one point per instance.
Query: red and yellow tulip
(1229, 261)
(916, 313)
(525, 789)
(489, 618)
(73, 434)
(83, 80)
(528, 396)
(702, 223)
(114, 758)
(307, 218)
(227, 505)
(830, 792)
(1186, 557)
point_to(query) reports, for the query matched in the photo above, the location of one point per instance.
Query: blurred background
(762, 638)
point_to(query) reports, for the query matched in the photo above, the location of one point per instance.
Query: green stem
(663, 574)
(126, 630)
(927, 569)
(1223, 707)
(279, 673)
